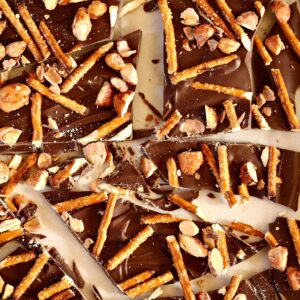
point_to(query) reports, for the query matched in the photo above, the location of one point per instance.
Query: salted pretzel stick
(15, 22)
(295, 234)
(31, 275)
(211, 161)
(285, 99)
(233, 287)
(33, 29)
(105, 222)
(270, 238)
(149, 285)
(160, 219)
(10, 261)
(241, 94)
(80, 202)
(262, 50)
(238, 30)
(244, 192)
(65, 60)
(10, 235)
(260, 8)
(172, 173)
(21, 172)
(65, 283)
(36, 120)
(84, 67)
(245, 228)
(180, 268)
(231, 115)
(129, 248)
(215, 18)
(170, 40)
(135, 280)
(274, 159)
(259, 118)
(202, 68)
(105, 129)
(60, 99)
(169, 124)
(64, 295)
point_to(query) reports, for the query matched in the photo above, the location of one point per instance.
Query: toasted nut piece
(203, 33)
(122, 102)
(50, 4)
(15, 49)
(211, 118)
(278, 258)
(203, 296)
(265, 156)
(274, 44)
(212, 44)
(44, 161)
(119, 84)
(14, 96)
(82, 25)
(186, 45)
(215, 262)
(294, 278)
(123, 49)
(9, 135)
(190, 17)
(192, 126)
(8, 291)
(3, 25)
(192, 246)
(240, 297)
(248, 20)
(268, 93)
(113, 15)
(4, 172)
(129, 74)
(248, 174)
(76, 225)
(228, 46)
(190, 162)
(8, 64)
(148, 167)
(97, 9)
(189, 33)
(15, 162)
(95, 153)
(52, 76)
(260, 100)
(188, 228)
(281, 10)
(115, 61)
(209, 237)
(2, 52)
(105, 95)
(38, 180)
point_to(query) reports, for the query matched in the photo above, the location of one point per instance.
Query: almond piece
(203, 296)
(82, 25)
(15, 49)
(119, 84)
(188, 228)
(203, 33)
(44, 161)
(8, 291)
(248, 20)
(248, 174)
(9, 135)
(52, 76)
(192, 126)
(186, 45)
(240, 297)
(14, 96)
(267, 111)
(209, 237)
(274, 44)
(278, 257)
(129, 74)
(97, 9)
(281, 10)
(76, 225)
(50, 4)
(122, 102)
(95, 153)
(269, 93)
(3, 25)
(105, 95)
(192, 246)
(123, 49)
(4, 172)
(260, 100)
(115, 61)
(148, 167)
(15, 162)
(228, 46)
(2, 52)
(190, 17)
(211, 118)
(113, 15)
(38, 180)
(265, 156)
(190, 162)
(215, 262)
(189, 33)
(293, 275)
(212, 44)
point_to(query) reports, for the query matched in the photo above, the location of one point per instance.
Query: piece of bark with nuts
(192, 246)
(248, 174)
(274, 44)
(203, 33)
(278, 257)
(82, 25)
(190, 162)
(248, 20)
(148, 167)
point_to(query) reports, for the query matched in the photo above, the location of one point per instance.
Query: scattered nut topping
(8, 291)
(95, 153)
(188, 228)
(192, 246)
(268, 93)
(241, 254)
(186, 45)
(82, 25)
(24, 60)
(190, 162)
(248, 174)
(129, 74)
(52, 124)
(222, 290)
(105, 95)
(76, 225)
(123, 49)
(97, 9)
(113, 15)
(274, 44)
(122, 102)
(203, 33)
(38, 180)
(15, 49)
(240, 297)
(50, 4)
(52, 76)
(248, 20)
(14, 96)
(2, 52)
(260, 100)
(4, 172)
(44, 161)
(293, 275)
(228, 46)
(8, 64)
(265, 156)
(267, 111)
(119, 84)
(281, 10)
(203, 296)
(192, 126)
(190, 17)
(209, 237)
(87, 243)
(189, 33)
(40, 70)
(15, 162)
(115, 61)
(9, 135)
(212, 44)
(211, 118)
(215, 262)
(278, 258)
(148, 167)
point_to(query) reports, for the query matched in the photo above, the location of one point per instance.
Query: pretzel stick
(172, 173)
(80, 202)
(169, 124)
(15, 22)
(31, 275)
(36, 120)
(295, 234)
(231, 115)
(202, 68)
(21, 172)
(285, 99)
(65, 60)
(10, 261)
(137, 279)
(160, 219)
(270, 238)
(248, 229)
(211, 161)
(238, 30)
(259, 118)
(262, 50)
(170, 42)
(33, 29)
(244, 192)
(233, 287)
(130, 247)
(64, 295)
(149, 285)
(241, 94)
(180, 268)
(214, 17)
(84, 67)
(10, 235)
(274, 155)
(60, 99)
(222, 245)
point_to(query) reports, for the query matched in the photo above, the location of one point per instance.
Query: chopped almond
(228, 46)
(189, 17)
(190, 162)
(105, 95)
(4, 172)
(44, 161)
(188, 227)
(15, 49)
(115, 61)
(192, 246)
(123, 49)
(268, 93)
(248, 20)
(248, 174)
(293, 275)
(209, 237)
(119, 84)
(215, 262)
(82, 25)
(278, 257)
(203, 33)
(38, 180)
(148, 167)
(97, 9)
(211, 118)
(192, 126)
(95, 153)
(122, 102)
(281, 10)
(274, 44)
(129, 74)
